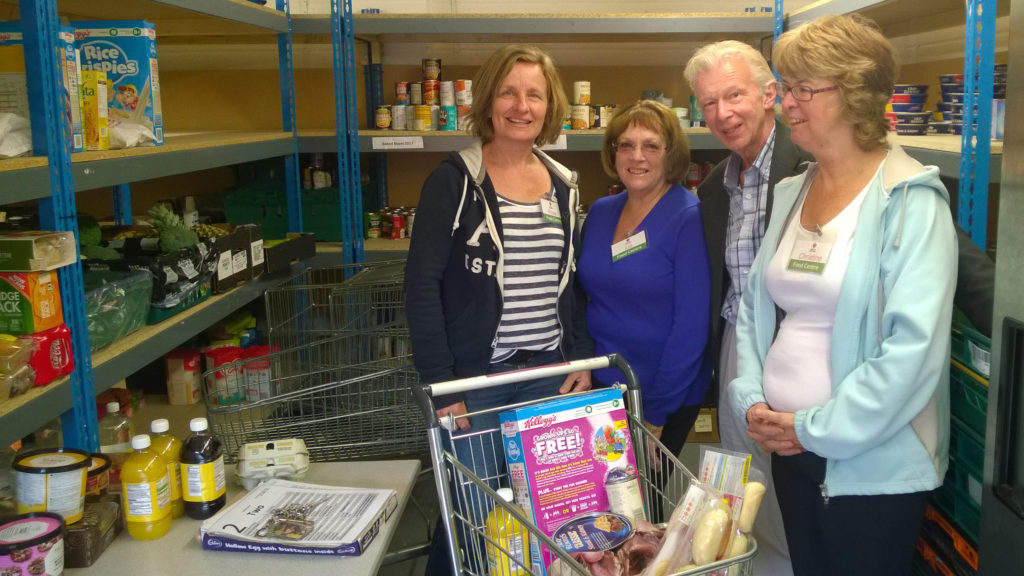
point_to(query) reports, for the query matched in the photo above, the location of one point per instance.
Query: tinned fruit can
(447, 93)
(581, 92)
(580, 116)
(400, 117)
(431, 68)
(382, 116)
(401, 93)
(416, 93)
(431, 92)
(623, 491)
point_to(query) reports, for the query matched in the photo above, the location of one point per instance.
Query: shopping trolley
(466, 499)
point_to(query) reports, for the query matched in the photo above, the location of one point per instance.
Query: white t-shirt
(797, 370)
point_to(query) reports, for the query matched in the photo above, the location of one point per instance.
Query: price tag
(398, 143)
(224, 265)
(257, 252)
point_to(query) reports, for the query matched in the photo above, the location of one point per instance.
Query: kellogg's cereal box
(94, 109)
(559, 455)
(126, 51)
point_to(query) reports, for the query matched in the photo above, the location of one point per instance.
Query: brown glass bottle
(203, 484)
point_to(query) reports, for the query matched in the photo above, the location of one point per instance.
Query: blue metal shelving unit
(349, 181)
(57, 212)
(286, 70)
(975, 149)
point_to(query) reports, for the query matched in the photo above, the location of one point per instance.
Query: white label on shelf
(239, 262)
(560, 144)
(257, 253)
(398, 143)
(224, 265)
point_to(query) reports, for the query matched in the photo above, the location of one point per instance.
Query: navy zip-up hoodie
(454, 274)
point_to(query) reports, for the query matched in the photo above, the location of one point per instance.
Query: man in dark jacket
(735, 90)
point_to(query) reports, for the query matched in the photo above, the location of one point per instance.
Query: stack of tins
(430, 104)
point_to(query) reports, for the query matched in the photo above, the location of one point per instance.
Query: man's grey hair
(711, 55)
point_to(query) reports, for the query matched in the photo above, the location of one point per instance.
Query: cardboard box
(559, 456)
(34, 251)
(126, 51)
(94, 109)
(705, 429)
(29, 302)
(238, 256)
(280, 254)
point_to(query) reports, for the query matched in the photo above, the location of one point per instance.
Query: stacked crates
(949, 538)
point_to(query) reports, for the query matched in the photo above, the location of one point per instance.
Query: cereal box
(126, 51)
(560, 454)
(94, 109)
(29, 302)
(14, 94)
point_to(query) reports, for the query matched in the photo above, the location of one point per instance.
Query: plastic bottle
(169, 448)
(202, 472)
(510, 535)
(146, 492)
(115, 440)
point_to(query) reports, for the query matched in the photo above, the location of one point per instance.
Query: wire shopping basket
(466, 499)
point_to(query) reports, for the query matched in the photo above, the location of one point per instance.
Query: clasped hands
(773, 431)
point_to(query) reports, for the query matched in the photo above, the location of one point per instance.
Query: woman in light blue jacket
(843, 332)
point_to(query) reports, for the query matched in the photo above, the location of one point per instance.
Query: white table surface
(179, 553)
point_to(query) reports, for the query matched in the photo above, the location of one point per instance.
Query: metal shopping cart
(340, 375)
(466, 499)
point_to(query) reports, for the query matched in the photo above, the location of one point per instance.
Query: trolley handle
(426, 393)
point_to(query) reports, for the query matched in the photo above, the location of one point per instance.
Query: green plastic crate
(959, 508)
(967, 448)
(259, 203)
(971, 348)
(968, 399)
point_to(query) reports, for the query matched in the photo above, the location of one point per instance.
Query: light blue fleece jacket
(885, 429)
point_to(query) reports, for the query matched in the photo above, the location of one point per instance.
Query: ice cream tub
(52, 480)
(32, 544)
(98, 475)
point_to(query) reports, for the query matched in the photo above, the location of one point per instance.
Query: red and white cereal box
(559, 456)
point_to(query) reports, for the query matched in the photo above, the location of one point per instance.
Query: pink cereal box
(559, 456)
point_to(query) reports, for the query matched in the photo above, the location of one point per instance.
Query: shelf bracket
(976, 136)
(349, 181)
(122, 196)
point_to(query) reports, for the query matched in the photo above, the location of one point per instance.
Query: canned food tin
(401, 93)
(581, 92)
(416, 93)
(580, 116)
(400, 117)
(447, 90)
(382, 116)
(431, 68)
(431, 92)
(421, 119)
(463, 92)
(464, 121)
(448, 118)
(371, 221)
(409, 218)
(623, 491)
(602, 115)
(397, 226)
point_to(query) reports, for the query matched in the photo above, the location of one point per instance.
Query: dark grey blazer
(787, 160)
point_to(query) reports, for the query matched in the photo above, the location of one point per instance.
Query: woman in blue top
(644, 266)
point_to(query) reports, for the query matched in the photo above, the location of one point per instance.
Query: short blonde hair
(493, 72)
(656, 117)
(851, 50)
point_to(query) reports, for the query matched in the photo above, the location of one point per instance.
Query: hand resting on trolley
(574, 382)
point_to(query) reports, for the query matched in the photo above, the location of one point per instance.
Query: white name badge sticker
(811, 250)
(631, 245)
(550, 210)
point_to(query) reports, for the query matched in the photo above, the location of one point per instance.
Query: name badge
(550, 210)
(811, 250)
(631, 245)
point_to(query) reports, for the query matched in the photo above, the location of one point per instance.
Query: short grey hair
(711, 55)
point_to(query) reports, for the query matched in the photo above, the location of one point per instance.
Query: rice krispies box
(559, 455)
(126, 51)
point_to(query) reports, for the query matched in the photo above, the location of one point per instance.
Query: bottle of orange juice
(511, 559)
(169, 448)
(146, 491)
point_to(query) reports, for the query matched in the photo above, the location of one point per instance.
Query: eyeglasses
(800, 92)
(647, 148)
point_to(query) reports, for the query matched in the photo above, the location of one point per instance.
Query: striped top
(533, 249)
